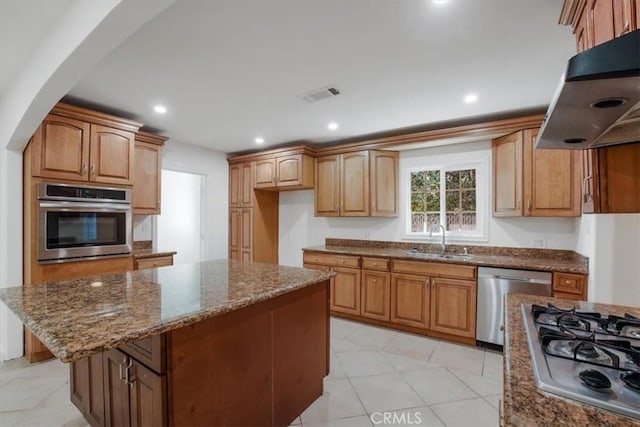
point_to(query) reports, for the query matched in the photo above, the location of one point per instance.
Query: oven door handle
(84, 206)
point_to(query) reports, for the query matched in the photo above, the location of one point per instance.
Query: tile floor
(375, 373)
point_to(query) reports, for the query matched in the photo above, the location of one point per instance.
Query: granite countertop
(527, 258)
(524, 404)
(77, 318)
(145, 249)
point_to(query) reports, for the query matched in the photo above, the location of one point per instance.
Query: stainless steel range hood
(597, 102)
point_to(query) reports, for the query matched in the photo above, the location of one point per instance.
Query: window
(446, 195)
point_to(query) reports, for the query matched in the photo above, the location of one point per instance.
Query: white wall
(142, 227)
(299, 228)
(213, 165)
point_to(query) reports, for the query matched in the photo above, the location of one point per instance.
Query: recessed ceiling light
(160, 109)
(332, 126)
(259, 140)
(471, 98)
(439, 1)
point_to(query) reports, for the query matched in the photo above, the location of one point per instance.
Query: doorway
(179, 226)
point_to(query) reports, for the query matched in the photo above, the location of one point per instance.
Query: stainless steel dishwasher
(493, 284)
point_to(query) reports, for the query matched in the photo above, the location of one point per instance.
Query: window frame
(481, 166)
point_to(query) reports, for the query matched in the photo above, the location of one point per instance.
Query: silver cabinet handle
(586, 196)
(625, 30)
(84, 169)
(93, 169)
(121, 369)
(528, 204)
(127, 372)
(519, 204)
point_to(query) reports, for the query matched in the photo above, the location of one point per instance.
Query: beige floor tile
(67, 416)
(339, 346)
(342, 328)
(12, 418)
(296, 422)
(458, 356)
(361, 421)
(493, 365)
(22, 369)
(385, 393)
(336, 371)
(482, 385)
(421, 417)
(60, 397)
(371, 337)
(402, 363)
(465, 413)
(27, 393)
(438, 385)
(339, 400)
(412, 346)
(362, 363)
(494, 400)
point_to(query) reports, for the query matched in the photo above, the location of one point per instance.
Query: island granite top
(80, 317)
(524, 404)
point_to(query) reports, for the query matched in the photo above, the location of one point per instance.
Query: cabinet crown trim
(96, 117)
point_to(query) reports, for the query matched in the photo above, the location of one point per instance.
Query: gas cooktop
(590, 357)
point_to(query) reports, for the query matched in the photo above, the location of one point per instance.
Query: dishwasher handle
(521, 279)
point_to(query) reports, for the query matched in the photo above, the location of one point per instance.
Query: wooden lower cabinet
(570, 286)
(410, 300)
(375, 295)
(453, 306)
(345, 290)
(87, 394)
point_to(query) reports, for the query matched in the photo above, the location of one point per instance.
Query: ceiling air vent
(320, 94)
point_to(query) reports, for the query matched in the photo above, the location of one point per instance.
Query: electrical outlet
(539, 243)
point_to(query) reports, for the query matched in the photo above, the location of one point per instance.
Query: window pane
(453, 221)
(417, 222)
(453, 179)
(469, 200)
(433, 220)
(468, 178)
(417, 202)
(453, 201)
(433, 180)
(417, 181)
(468, 222)
(433, 201)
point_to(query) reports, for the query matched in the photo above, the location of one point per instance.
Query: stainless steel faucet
(443, 245)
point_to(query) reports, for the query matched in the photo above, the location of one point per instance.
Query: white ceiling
(231, 70)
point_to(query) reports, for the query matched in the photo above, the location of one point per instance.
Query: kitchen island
(213, 343)
(523, 403)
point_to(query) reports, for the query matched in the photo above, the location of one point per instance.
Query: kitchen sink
(431, 255)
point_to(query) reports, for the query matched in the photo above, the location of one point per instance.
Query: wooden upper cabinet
(81, 145)
(60, 148)
(551, 180)
(241, 185)
(383, 183)
(453, 307)
(530, 182)
(619, 178)
(354, 184)
(287, 172)
(507, 175)
(327, 186)
(582, 33)
(147, 173)
(625, 17)
(600, 21)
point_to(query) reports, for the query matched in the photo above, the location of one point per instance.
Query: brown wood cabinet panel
(410, 300)
(289, 170)
(331, 259)
(434, 269)
(570, 285)
(246, 234)
(265, 173)
(148, 401)
(507, 175)
(600, 22)
(155, 262)
(551, 180)
(383, 170)
(34, 350)
(245, 195)
(327, 186)
(345, 290)
(150, 351)
(116, 391)
(453, 307)
(234, 233)
(235, 185)
(354, 184)
(147, 177)
(61, 149)
(590, 180)
(111, 155)
(582, 34)
(624, 16)
(380, 264)
(619, 177)
(86, 384)
(376, 289)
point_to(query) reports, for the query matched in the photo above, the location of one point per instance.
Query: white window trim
(482, 201)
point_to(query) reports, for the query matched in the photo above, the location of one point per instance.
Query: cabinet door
(86, 380)
(453, 307)
(575, 285)
(61, 149)
(375, 295)
(624, 19)
(590, 180)
(146, 178)
(582, 34)
(619, 168)
(265, 173)
(148, 397)
(235, 186)
(551, 180)
(246, 188)
(234, 233)
(327, 186)
(507, 175)
(116, 391)
(354, 184)
(345, 291)
(246, 234)
(410, 300)
(289, 170)
(383, 170)
(600, 20)
(111, 155)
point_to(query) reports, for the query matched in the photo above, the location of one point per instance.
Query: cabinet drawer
(161, 261)
(149, 351)
(434, 269)
(563, 295)
(568, 283)
(380, 264)
(331, 259)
